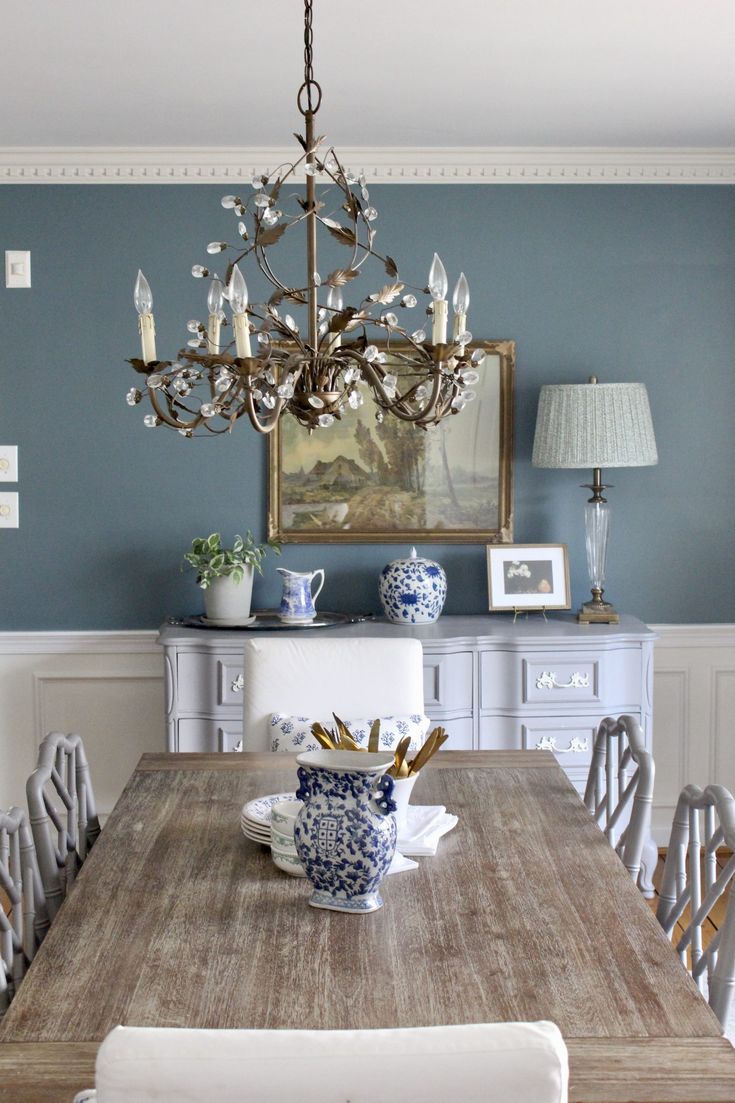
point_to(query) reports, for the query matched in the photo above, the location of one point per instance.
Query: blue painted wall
(633, 283)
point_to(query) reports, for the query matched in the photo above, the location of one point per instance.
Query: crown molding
(384, 165)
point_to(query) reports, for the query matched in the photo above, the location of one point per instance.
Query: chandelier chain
(310, 86)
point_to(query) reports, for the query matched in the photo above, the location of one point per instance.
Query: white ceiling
(158, 73)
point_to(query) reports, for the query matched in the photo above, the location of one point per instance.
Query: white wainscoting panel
(693, 713)
(108, 686)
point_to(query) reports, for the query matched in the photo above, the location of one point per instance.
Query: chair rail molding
(109, 686)
(381, 165)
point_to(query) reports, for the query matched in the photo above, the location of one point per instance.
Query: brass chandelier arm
(169, 418)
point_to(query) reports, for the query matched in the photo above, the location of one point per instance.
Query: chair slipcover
(316, 677)
(475, 1063)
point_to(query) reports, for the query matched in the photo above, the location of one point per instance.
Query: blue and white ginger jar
(345, 836)
(413, 590)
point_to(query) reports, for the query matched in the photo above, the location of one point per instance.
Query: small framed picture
(528, 576)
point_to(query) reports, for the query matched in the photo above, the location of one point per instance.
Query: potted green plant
(226, 574)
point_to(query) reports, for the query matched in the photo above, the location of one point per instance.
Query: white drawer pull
(577, 745)
(547, 680)
(237, 684)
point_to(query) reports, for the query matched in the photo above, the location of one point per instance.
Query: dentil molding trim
(383, 165)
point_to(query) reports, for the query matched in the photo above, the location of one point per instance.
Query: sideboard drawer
(550, 679)
(448, 681)
(209, 735)
(207, 681)
(571, 738)
(459, 732)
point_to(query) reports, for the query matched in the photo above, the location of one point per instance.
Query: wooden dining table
(525, 913)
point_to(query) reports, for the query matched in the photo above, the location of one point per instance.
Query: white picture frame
(524, 577)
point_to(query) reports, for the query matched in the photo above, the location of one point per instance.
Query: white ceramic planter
(227, 600)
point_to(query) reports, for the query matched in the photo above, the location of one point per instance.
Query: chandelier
(270, 366)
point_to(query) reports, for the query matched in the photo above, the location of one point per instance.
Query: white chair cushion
(476, 1063)
(316, 677)
(293, 733)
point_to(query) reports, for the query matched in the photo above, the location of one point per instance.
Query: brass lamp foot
(598, 611)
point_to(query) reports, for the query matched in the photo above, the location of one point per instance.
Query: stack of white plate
(255, 819)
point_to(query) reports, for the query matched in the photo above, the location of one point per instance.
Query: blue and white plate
(255, 818)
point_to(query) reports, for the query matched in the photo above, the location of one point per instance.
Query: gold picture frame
(358, 482)
(528, 578)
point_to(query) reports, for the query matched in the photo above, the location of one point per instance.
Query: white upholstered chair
(353, 678)
(23, 918)
(476, 1063)
(619, 791)
(62, 812)
(692, 884)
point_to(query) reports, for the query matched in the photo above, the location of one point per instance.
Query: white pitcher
(297, 603)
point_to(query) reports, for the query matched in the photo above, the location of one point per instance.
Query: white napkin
(400, 863)
(425, 825)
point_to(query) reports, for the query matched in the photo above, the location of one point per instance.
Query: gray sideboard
(492, 683)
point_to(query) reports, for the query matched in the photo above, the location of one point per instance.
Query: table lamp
(595, 425)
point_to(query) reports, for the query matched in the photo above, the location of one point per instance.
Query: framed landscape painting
(363, 482)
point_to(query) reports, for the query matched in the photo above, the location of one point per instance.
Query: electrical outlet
(9, 510)
(8, 463)
(17, 268)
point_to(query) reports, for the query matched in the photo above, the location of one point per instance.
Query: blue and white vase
(413, 590)
(345, 836)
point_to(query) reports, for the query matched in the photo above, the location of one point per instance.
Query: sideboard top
(526, 631)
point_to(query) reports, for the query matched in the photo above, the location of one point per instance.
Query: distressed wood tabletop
(525, 913)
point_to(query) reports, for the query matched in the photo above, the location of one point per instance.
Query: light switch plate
(17, 268)
(8, 463)
(9, 510)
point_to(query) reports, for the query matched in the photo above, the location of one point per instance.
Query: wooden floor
(716, 916)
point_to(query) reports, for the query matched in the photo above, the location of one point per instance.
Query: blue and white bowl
(413, 590)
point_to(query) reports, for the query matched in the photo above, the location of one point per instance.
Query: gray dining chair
(62, 812)
(704, 822)
(619, 791)
(23, 916)
(473, 1062)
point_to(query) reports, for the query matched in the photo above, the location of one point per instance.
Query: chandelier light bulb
(335, 300)
(142, 295)
(216, 296)
(438, 282)
(461, 296)
(237, 291)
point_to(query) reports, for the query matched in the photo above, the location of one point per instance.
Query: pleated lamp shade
(594, 425)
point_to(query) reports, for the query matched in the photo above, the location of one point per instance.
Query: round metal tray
(268, 620)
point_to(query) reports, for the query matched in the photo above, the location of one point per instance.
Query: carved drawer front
(230, 680)
(209, 735)
(459, 732)
(549, 679)
(448, 681)
(555, 679)
(572, 739)
(207, 681)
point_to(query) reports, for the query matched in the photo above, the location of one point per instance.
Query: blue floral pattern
(345, 836)
(293, 733)
(412, 591)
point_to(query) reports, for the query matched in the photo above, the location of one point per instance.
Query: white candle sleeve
(241, 327)
(213, 330)
(147, 329)
(441, 315)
